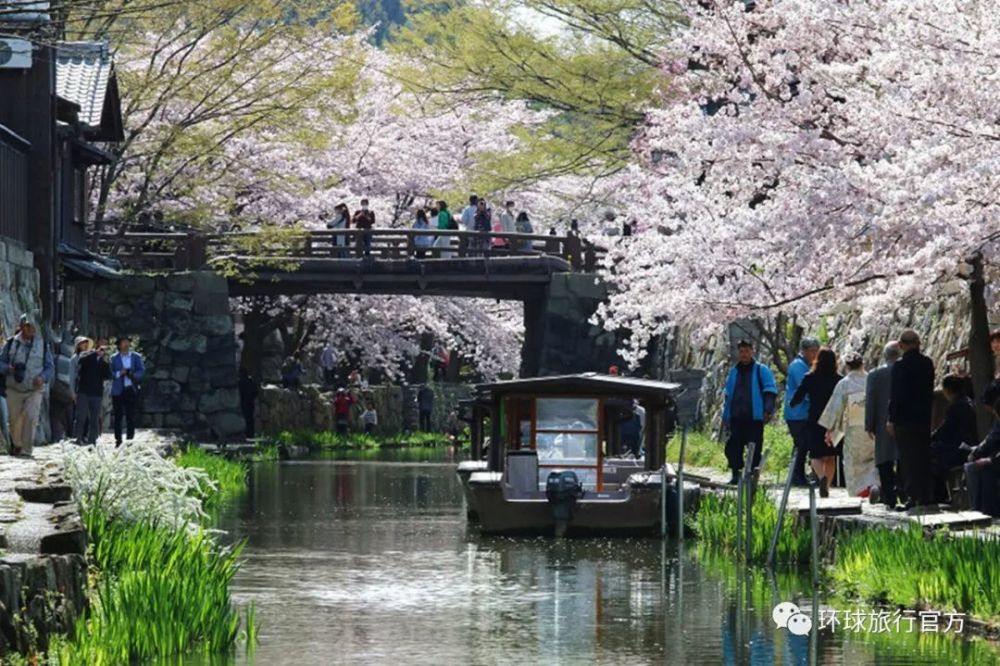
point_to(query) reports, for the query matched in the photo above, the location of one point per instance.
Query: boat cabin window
(567, 437)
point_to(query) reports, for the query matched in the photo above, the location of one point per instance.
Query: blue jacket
(117, 381)
(763, 390)
(797, 369)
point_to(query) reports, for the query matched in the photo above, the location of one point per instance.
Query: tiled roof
(83, 70)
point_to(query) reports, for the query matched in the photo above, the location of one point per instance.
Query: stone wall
(43, 570)
(558, 336)
(181, 324)
(311, 408)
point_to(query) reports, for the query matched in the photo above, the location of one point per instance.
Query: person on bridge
(482, 225)
(421, 223)
(522, 225)
(341, 222)
(364, 220)
(469, 214)
(445, 222)
(505, 225)
(27, 362)
(750, 396)
(127, 371)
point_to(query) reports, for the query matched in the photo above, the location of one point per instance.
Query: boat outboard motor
(562, 490)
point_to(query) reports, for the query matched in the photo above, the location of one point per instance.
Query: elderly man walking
(797, 416)
(27, 362)
(750, 396)
(910, 401)
(877, 389)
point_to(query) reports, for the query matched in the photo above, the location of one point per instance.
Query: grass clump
(715, 526)
(703, 450)
(159, 592)
(229, 476)
(905, 568)
(325, 439)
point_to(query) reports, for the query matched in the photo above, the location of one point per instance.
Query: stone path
(842, 506)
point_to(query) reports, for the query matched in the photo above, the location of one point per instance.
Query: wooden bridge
(377, 261)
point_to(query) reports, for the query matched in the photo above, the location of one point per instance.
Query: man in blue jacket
(797, 417)
(126, 372)
(750, 397)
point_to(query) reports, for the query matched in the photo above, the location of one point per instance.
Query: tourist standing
(481, 224)
(818, 386)
(522, 225)
(992, 392)
(844, 420)
(910, 401)
(425, 407)
(292, 371)
(750, 398)
(249, 389)
(364, 221)
(955, 437)
(341, 223)
(342, 404)
(369, 418)
(328, 363)
(469, 214)
(982, 472)
(127, 371)
(507, 224)
(92, 372)
(877, 392)
(421, 223)
(797, 417)
(27, 362)
(445, 222)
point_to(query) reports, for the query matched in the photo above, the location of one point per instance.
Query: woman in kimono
(844, 418)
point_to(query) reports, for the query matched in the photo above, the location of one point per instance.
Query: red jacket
(342, 404)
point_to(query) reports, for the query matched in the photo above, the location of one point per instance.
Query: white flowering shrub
(136, 481)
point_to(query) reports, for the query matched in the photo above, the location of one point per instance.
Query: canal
(370, 561)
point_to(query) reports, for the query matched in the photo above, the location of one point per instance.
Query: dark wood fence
(190, 251)
(13, 186)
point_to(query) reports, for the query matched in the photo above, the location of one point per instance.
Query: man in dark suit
(910, 401)
(878, 388)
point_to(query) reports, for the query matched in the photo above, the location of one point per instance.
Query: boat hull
(633, 511)
(464, 471)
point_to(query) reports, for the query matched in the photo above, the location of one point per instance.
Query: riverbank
(325, 439)
(158, 579)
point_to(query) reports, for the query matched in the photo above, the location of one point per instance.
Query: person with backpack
(364, 221)
(446, 222)
(27, 362)
(750, 399)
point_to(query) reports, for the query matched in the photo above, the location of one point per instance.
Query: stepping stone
(45, 494)
(833, 506)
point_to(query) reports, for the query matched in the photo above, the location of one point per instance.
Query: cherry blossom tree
(810, 157)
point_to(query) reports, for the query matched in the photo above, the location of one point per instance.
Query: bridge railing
(190, 251)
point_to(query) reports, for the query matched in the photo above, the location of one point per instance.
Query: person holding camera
(92, 371)
(126, 373)
(27, 362)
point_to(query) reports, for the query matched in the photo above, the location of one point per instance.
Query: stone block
(67, 539)
(211, 304)
(3, 251)
(215, 325)
(44, 494)
(177, 321)
(219, 400)
(123, 311)
(178, 302)
(184, 282)
(223, 377)
(211, 283)
(160, 404)
(227, 425)
(168, 387)
(138, 285)
(19, 256)
(180, 373)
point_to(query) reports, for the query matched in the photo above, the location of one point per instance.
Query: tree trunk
(980, 355)
(255, 329)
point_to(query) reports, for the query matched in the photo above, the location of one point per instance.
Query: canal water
(371, 561)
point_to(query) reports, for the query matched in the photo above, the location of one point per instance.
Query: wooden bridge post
(463, 246)
(571, 251)
(192, 253)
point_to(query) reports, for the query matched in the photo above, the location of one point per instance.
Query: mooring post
(680, 485)
(748, 493)
(663, 499)
(739, 517)
(781, 512)
(814, 530)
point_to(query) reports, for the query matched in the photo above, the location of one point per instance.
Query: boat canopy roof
(584, 384)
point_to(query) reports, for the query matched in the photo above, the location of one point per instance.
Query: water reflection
(358, 562)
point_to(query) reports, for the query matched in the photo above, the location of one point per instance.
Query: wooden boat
(560, 458)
